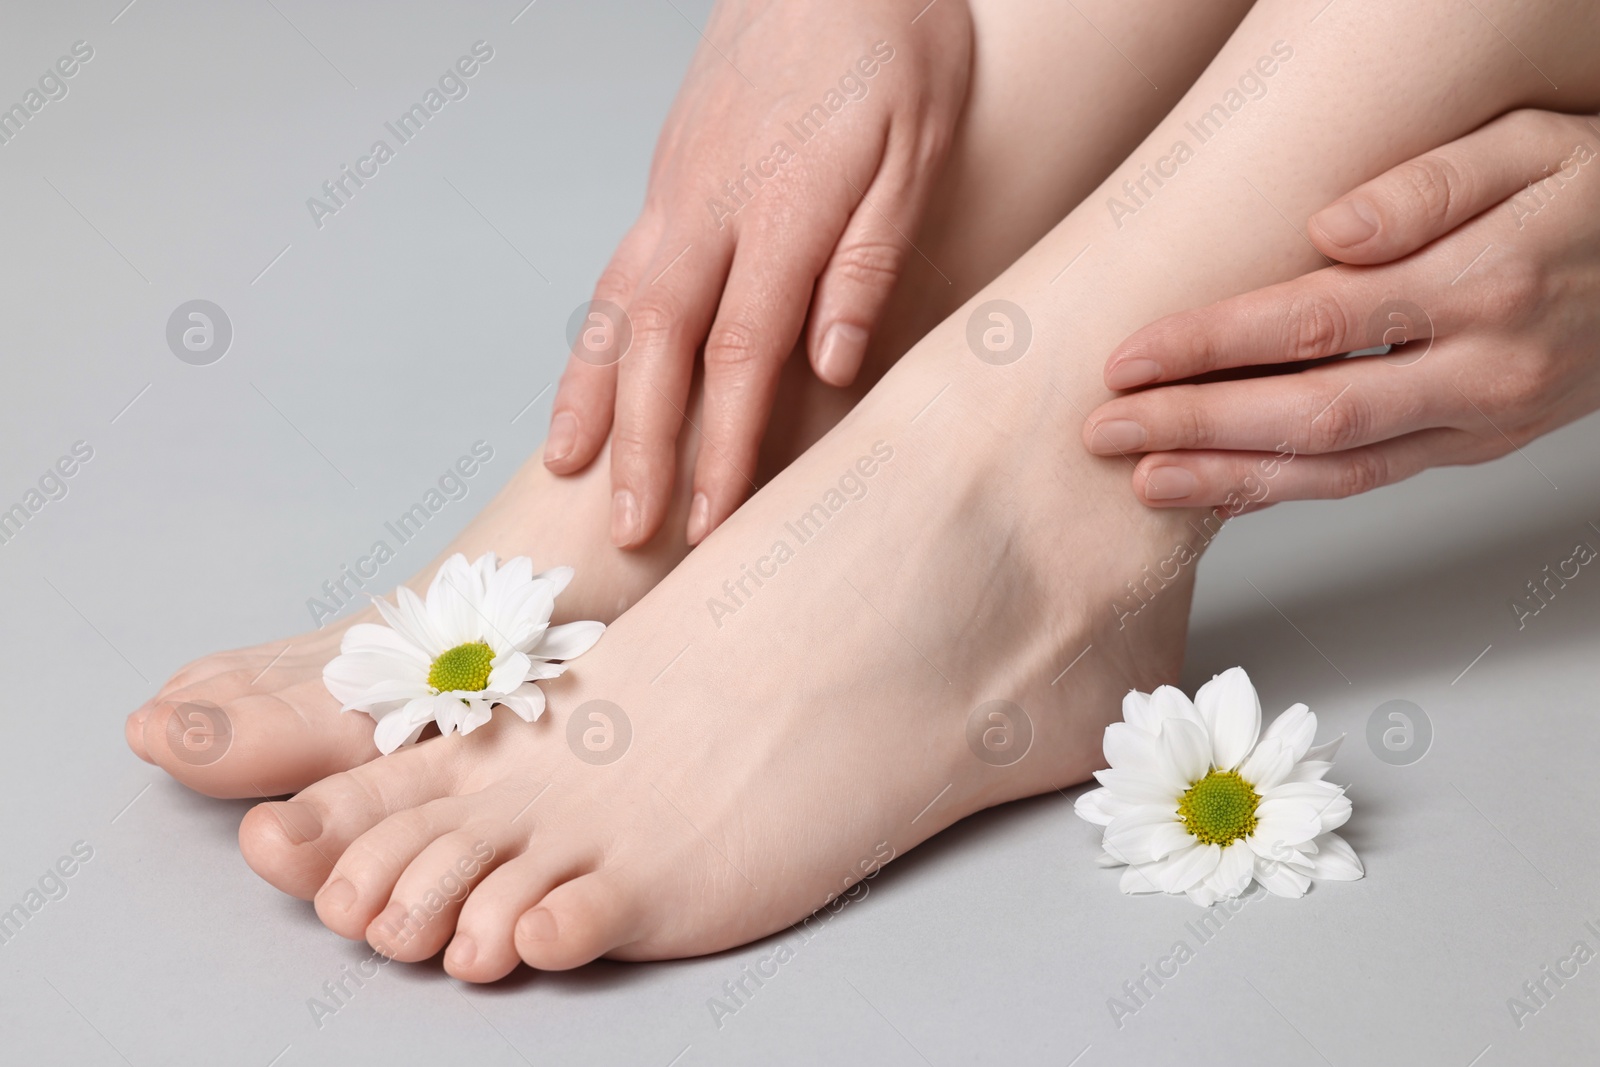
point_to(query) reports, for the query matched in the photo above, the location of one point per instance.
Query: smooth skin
(1481, 257)
(802, 149)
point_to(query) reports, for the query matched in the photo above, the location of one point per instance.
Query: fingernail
(624, 517)
(1133, 372)
(300, 822)
(699, 518)
(1170, 483)
(1120, 435)
(842, 348)
(1348, 222)
(563, 435)
(338, 894)
(463, 950)
(538, 925)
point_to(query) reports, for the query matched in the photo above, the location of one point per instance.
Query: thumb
(1425, 198)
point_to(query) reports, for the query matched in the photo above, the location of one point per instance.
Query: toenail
(1133, 372)
(1120, 435)
(1169, 483)
(624, 517)
(538, 925)
(463, 950)
(339, 895)
(300, 822)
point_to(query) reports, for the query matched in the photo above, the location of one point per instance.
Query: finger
(1330, 408)
(1324, 313)
(757, 325)
(1248, 481)
(580, 416)
(670, 312)
(1425, 198)
(861, 273)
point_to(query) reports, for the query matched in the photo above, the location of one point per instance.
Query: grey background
(429, 314)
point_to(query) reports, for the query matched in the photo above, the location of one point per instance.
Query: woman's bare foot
(259, 721)
(875, 646)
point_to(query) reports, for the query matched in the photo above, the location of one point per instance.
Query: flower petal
(1140, 879)
(1308, 770)
(1098, 806)
(1268, 765)
(1232, 713)
(558, 577)
(569, 641)
(1336, 860)
(1186, 869)
(1283, 824)
(1129, 747)
(1146, 834)
(508, 671)
(1280, 879)
(370, 637)
(1137, 712)
(1296, 728)
(409, 615)
(1136, 787)
(1234, 871)
(1324, 752)
(1168, 702)
(1186, 751)
(1107, 860)
(396, 729)
(474, 715)
(527, 702)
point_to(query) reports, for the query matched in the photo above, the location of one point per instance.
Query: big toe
(257, 745)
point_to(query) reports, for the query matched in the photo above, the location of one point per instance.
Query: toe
(133, 730)
(263, 744)
(367, 872)
(580, 921)
(295, 844)
(422, 910)
(484, 948)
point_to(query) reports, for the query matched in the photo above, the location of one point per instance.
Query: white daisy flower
(1193, 804)
(482, 638)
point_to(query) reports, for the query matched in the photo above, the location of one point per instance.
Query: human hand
(795, 163)
(1482, 256)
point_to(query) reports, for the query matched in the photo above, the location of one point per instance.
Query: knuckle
(630, 443)
(732, 343)
(874, 264)
(1361, 472)
(1190, 416)
(1343, 423)
(654, 322)
(613, 285)
(1315, 327)
(1431, 183)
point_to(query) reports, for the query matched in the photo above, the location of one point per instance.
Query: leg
(1015, 170)
(790, 736)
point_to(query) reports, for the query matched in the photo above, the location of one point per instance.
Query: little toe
(294, 844)
(256, 745)
(580, 921)
(133, 731)
(484, 948)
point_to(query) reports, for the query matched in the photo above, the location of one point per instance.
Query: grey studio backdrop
(427, 315)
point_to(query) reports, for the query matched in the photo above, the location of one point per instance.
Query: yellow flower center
(1220, 808)
(464, 668)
